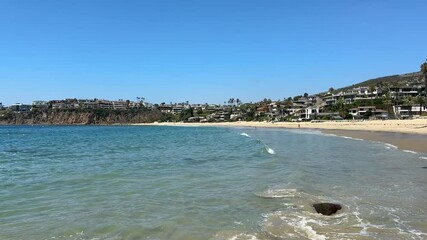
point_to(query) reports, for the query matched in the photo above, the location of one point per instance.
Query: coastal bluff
(79, 117)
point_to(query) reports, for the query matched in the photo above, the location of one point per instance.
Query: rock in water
(327, 208)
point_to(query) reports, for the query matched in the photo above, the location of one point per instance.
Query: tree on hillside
(424, 71)
(385, 88)
(388, 102)
(340, 107)
(372, 89)
(420, 101)
(408, 101)
(331, 89)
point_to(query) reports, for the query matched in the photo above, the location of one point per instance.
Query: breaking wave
(389, 146)
(269, 150)
(232, 235)
(245, 134)
(352, 138)
(409, 151)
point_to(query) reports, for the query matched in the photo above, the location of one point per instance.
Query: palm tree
(424, 71)
(231, 101)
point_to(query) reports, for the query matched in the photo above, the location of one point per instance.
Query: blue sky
(202, 50)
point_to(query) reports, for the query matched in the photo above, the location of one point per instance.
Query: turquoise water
(144, 182)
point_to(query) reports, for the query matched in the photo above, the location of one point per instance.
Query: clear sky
(202, 50)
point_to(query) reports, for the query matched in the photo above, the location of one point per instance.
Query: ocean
(185, 183)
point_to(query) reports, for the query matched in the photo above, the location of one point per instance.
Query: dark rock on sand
(326, 208)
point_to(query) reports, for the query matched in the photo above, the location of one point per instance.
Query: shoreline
(409, 135)
(403, 141)
(415, 126)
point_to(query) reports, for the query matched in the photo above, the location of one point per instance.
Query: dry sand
(405, 134)
(415, 126)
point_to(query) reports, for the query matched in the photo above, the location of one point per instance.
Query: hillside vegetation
(54, 116)
(393, 80)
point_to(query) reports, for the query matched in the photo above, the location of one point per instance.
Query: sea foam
(352, 138)
(269, 150)
(409, 151)
(388, 146)
(245, 134)
(277, 193)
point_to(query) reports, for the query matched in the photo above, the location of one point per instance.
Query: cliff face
(80, 117)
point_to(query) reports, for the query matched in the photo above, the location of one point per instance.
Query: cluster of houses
(395, 94)
(76, 104)
(313, 107)
(301, 108)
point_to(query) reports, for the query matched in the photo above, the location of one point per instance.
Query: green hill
(393, 80)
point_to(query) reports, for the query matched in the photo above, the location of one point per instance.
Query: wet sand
(404, 141)
(415, 126)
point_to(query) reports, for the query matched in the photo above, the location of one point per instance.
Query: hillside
(393, 80)
(55, 117)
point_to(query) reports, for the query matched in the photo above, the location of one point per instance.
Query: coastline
(405, 134)
(415, 126)
(403, 141)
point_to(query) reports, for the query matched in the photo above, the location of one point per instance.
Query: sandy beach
(415, 126)
(405, 134)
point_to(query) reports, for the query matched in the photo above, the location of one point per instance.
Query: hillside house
(165, 108)
(19, 107)
(408, 111)
(309, 113)
(362, 111)
(119, 105)
(406, 91)
(40, 105)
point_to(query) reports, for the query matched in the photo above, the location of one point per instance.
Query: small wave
(330, 135)
(269, 150)
(234, 236)
(245, 134)
(388, 145)
(306, 131)
(243, 236)
(278, 193)
(303, 225)
(417, 233)
(352, 138)
(75, 236)
(294, 226)
(409, 151)
(422, 157)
